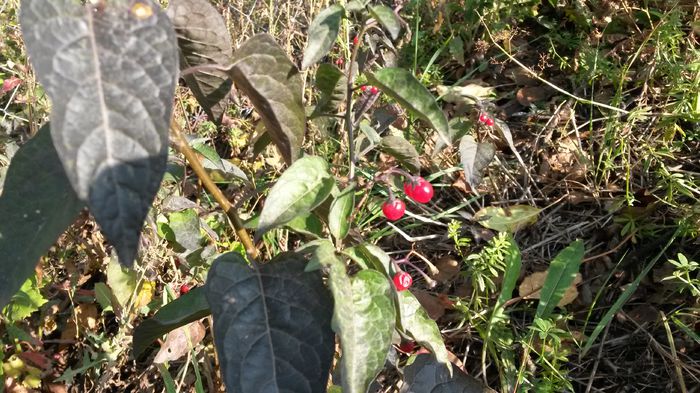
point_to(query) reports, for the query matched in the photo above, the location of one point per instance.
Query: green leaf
(511, 220)
(356, 5)
(306, 224)
(415, 321)
(111, 77)
(403, 87)
(265, 74)
(185, 227)
(475, 158)
(321, 251)
(122, 281)
(401, 149)
(103, 295)
(300, 189)
(203, 40)
(562, 272)
(189, 307)
(36, 205)
(370, 256)
(339, 215)
(364, 317)
(272, 325)
(332, 84)
(425, 375)
(26, 301)
(387, 18)
(322, 34)
(512, 273)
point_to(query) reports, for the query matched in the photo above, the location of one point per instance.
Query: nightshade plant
(110, 69)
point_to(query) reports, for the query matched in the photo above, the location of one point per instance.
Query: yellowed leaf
(531, 285)
(145, 294)
(179, 341)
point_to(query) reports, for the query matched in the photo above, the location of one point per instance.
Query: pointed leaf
(402, 86)
(511, 275)
(26, 301)
(364, 318)
(511, 220)
(203, 40)
(425, 375)
(332, 84)
(272, 325)
(111, 75)
(321, 253)
(415, 321)
(122, 281)
(306, 224)
(188, 308)
(300, 189)
(185, 227)
(475, 158)
(387, 18)
(322, 34)
(273, 84)
(401, 149)
(36, 205)
(370, 256)
(339, 215)
(562, 272)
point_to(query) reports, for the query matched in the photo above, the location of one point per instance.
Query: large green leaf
(401, 149)
(364, 318)
(272, 325)
(111, 73)
(204, 40)
(300, 189)
(122, 281)
(186, 228)
(339, 214)
(36, 205)
(26, 301)
(332, 84)
(510, 219)
(402, 86)
(415, 321)
(562, 272)
(370, 256)
(189, 307)
(425, 375)
(475, 158)
(512, 273)
(387, 18)
(322, 34)
(273, 84)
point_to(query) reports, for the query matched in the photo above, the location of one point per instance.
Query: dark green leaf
(511, 219)
(387, 18)
(272, 325)
(302, 187)
(339, 215)
(36, 205)
(356, 5)
(185, 227)
(306, 224)
(364, 318)
(189, 307)
(512, 273)
(425, 375)
(111, 76)
(370, 256)
(475, 158)
(415, 321)
(273, 84)
(322, 34)
(103, 295)
(401, 149)
(402, 86)
(562, 272)
(332, 84)
(204, 40)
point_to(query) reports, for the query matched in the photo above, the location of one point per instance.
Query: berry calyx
(402, 281)
(374, 90)
(184, 289)
(363, 88)
(489, 122)
(393, 209)
(483, 118)
(407, 346)
(419, 189)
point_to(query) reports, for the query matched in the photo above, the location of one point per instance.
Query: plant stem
(183, 147)
(349, 123)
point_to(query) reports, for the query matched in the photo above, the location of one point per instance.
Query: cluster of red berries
(418, 189)
(372, 89)
(484, 118)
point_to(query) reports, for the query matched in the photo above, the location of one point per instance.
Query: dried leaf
(179, 342)
(532, 284)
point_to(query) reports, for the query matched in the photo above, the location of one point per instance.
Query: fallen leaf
(145, 294)
(179, 341)
(511, 219)
(9, 84)
(431, 303)
(87, 316)
(464, 94)
(532, 284)
(527, 96)
(448, 268)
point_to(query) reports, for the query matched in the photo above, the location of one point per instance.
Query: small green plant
(687, 273)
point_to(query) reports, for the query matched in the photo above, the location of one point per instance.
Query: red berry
(402, 281)
(407, 346)
(356, 40)
(420, 190)
(184, 289)
(393, 210)
(374, 90)
(363, 87)
(340, 62)
(489, 122)
(483, 118)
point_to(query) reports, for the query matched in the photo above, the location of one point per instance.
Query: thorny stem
(183, 147)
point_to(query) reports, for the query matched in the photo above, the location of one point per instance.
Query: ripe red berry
(340, 62)
(402, 281)
(393, 210)
(374, 90)
(184, 289)
(483, 118)
(420, 190)
(407, 346)
(489, 122)
(363, 87)
(356, 40)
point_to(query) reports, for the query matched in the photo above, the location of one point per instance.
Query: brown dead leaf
(448, 268)
(179, 341)
(531, 285)
(57, 388)
(529, 95)
(87, 316)
(431, 303)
